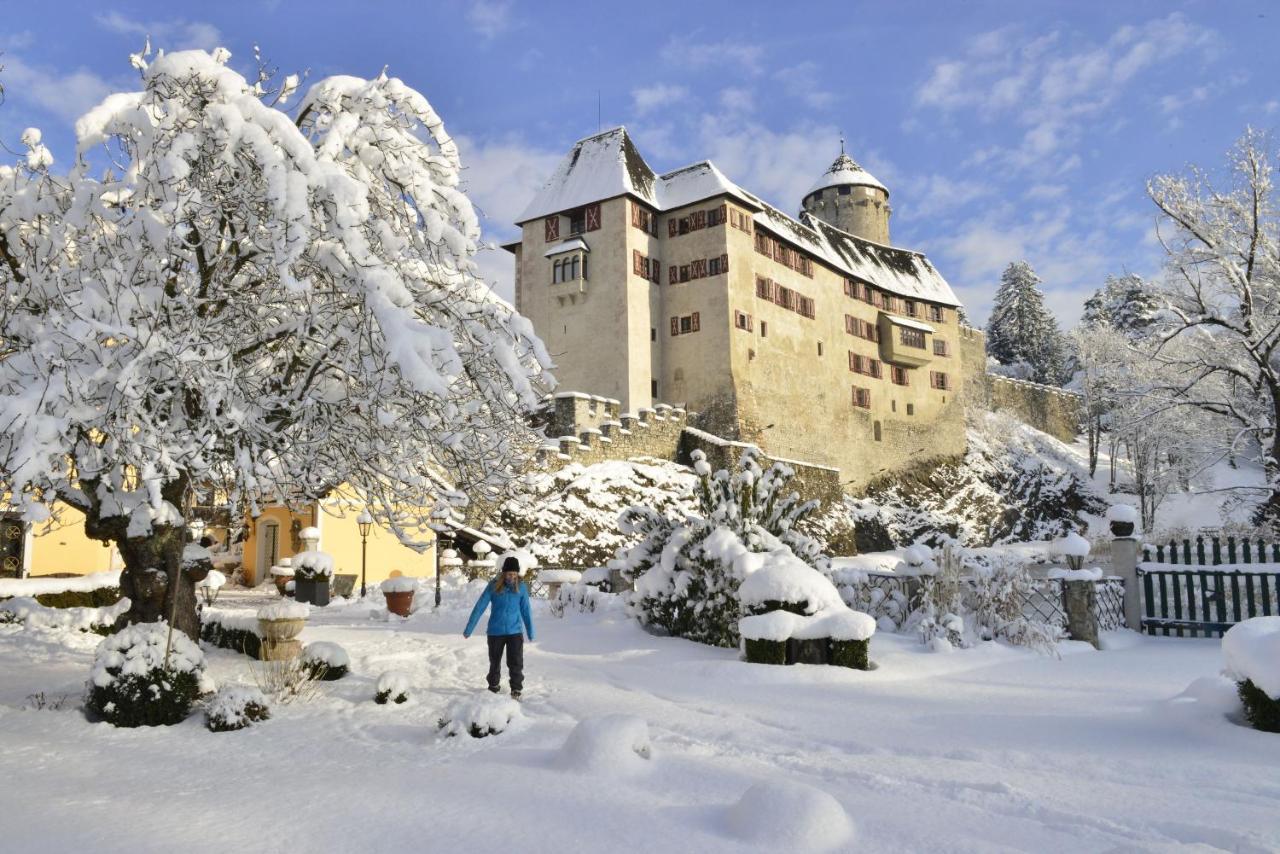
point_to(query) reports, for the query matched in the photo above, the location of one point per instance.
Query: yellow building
(55, 546)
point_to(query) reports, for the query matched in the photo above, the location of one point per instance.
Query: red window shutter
(700, 219)
(724, 263)
(593, 217)
(675, 326)
(695, 326)
(671, 227)
(635, 214)
(723, 212)
(551, 226)
(673, 274)
(635, 261)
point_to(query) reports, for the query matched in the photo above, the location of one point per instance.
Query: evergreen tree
(1021, 330)
(1126, 304)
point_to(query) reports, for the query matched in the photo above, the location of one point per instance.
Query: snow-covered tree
(1100, 356)
(1223, 294)
(1127, 304)
(1021, 331)
(285, 305)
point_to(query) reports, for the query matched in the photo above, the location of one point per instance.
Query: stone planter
(314, 591)
(1122, 529)
(280, 639)
(399, 603)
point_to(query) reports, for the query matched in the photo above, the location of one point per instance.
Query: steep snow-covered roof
(598, 167)
(846, 172)
(608, 165)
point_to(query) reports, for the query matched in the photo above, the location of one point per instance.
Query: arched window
(556, 272)
(574, 274)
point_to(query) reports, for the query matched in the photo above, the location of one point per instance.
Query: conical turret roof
(845, 172)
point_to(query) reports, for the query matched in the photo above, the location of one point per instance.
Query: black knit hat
(511, 565)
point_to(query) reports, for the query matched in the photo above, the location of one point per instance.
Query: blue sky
(1004, 130)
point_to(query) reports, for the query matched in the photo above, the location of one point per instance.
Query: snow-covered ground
(990, 749)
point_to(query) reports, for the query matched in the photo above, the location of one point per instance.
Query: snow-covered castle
(812, 337)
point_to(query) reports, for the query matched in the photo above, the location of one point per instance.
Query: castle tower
(851, 199)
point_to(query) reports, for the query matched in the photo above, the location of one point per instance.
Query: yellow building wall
(60, 545)
(340, 538)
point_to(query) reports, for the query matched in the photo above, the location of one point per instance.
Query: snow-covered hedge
(327, 661)
(96, 590)
(32, 614)
(847, 634)
(129, 684)
(479, 716)
(234, 630)
(236, 707)
(1251, 656)
(687, 569)
(394, 686)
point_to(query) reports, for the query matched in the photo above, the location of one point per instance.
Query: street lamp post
(440, 516)
(364, 522)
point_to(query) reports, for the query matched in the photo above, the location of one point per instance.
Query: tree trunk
(1095, 439)
(153, 575)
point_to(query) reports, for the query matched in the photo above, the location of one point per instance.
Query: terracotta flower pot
(400, 603)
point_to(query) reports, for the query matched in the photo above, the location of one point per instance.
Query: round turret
(851, 199)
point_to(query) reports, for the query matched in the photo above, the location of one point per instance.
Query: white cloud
(489, 18)
(65, 95)
(802, 81)
(690, 51)
(648, 98)
(168, 34)
(737, 100)
(501, 176)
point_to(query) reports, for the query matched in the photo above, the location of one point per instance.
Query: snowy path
(989, 749)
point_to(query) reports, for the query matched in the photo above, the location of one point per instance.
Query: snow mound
(1073, 545)
(480, 716)
(839, 624)
(32, 614)
(400, 584)
(780, 815)
(773, 626)
(39, 586)
(214, 580)
(1212, 696)
(285, 611)
(1094, 574)
(1251, 650)
(786, 578)
(613, 743)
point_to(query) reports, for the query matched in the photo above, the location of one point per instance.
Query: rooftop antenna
(842, 142)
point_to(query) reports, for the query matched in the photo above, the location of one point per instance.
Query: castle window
(862, 398)
(939, 347)
(764, 288)
(644, 219)
(741, 320)
(939, 380)
(868, 295)
(684, 272)
(911, 337)
(911, 409)
(875, 430)
(851, 288)
(653, 333)
(577, 221)
(685, 325)
(764, 329)
(937, 314)
(653, 389)
(845, 190)
(819, 348)
(899, 376)
(909, 306)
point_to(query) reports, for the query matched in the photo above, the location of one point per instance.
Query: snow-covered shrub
(327, 661)
(1000, 594)
(849, 633)
(31, 613)
(236, 707)
(285, 680)
(687, 569)
(313, 566)
(780, 815)
(785, 583)
(479, 716)
(1251, 654)
(393, 687)
(130, 684)
(613, 743)
(942, 607)
(581, 597)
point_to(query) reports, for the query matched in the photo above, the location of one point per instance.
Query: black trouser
(514, 645)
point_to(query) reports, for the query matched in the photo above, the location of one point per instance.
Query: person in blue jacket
(510, 601)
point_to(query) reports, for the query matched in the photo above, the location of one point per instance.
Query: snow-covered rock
(1251, 650)
(780, 815)
(613, 744)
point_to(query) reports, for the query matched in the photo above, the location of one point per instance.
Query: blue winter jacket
(510, 610)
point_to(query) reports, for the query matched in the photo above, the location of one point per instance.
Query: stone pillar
(1080, 601)
(1124, 563)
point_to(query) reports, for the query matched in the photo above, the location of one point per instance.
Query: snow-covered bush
(613, 743)
(327, 661)
(942, 605)
(1251, 654)
(130, 684)
(236, 707)
(479, 716)
(687, 569)
(394, 686)
(1000, 594)
(313, 566)
(32, 614)
(238, 632)
(785, 583)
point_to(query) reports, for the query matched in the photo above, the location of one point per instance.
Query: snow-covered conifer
(1021, 331)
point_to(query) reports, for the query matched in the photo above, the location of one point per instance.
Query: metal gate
(1204, 602)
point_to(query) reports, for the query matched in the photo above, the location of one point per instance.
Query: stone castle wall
(1046, 408)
